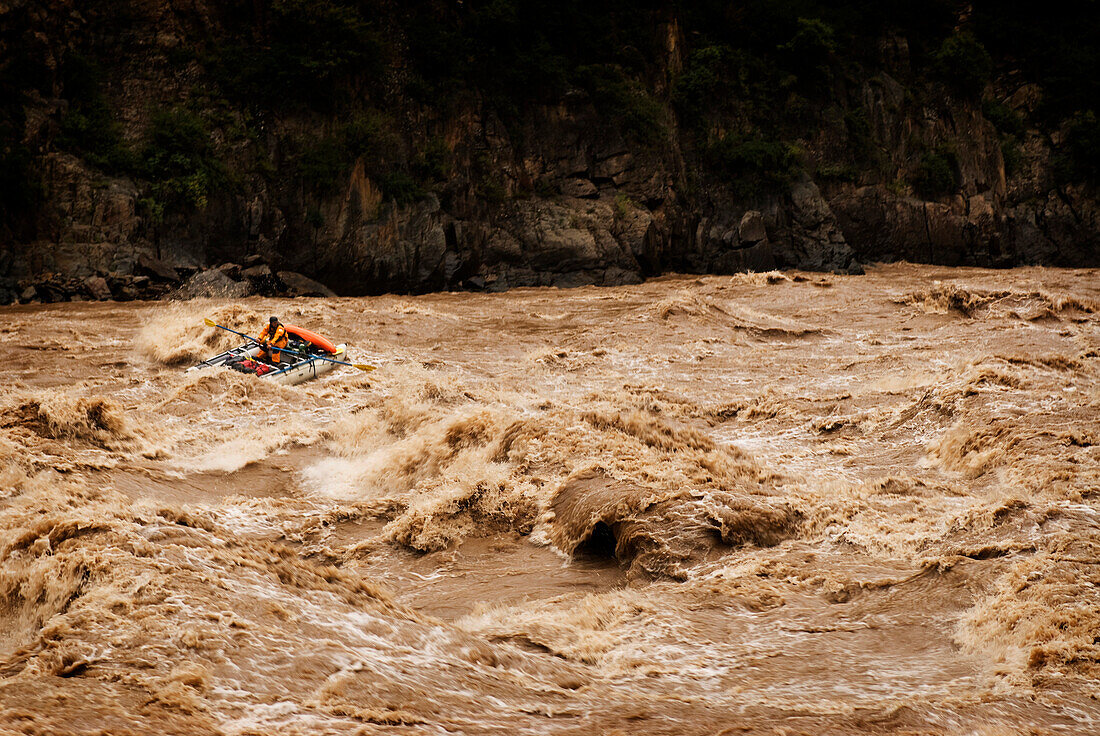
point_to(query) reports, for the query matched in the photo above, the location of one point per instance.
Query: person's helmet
(274, 320)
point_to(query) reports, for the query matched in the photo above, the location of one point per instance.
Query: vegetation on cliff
(197, 101)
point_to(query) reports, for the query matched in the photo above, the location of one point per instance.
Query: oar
(360, 366)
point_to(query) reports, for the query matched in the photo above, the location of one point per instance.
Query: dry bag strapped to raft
(249, 366)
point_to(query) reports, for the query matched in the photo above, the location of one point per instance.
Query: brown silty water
(768, 503)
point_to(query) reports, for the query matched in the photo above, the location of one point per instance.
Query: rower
(273, 336)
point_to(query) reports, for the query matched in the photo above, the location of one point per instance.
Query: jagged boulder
(613, 168)
(731, 241)
(156, 268)
(1059, 229)
(98, 288)
(262, 279)
(299, 285)
(126, 287)
(814, 240)
(402, 248)
(257, 273)
(214, 284)
(580, 188)
(752, 230)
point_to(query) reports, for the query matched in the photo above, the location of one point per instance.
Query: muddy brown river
(784, 503)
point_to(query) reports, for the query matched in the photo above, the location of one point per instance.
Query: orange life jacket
(277, 340)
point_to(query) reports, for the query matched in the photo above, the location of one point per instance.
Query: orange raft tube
(312, 338)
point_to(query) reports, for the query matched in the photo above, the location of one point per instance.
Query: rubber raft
(293, 369)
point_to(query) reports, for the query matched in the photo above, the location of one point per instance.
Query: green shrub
(702, 81)
(837, 172)
(151, 210)
(1012, 156)
(1056, 47)
(96, 139)
(179, 160)
(937, 174)
(400, 187)
(641, 118)
(265, 167)
(1078, 158)
(513, 52)
(1006, 120)
(720, 82)
(753, 163)
(439, 52)
(316, 41)
(1011, 127)
(624, 100)
(487, 179)
(858, 127)
(314, 218)
(322, 165)
(364, 133)
(623, 205)
(810, 49)
(964, 63)
(433, 161)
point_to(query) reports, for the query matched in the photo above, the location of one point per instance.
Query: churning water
(767, 503)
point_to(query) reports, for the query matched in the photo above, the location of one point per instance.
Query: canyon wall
(134, 159)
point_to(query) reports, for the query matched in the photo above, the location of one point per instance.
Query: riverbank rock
(814, 239)
(156, 268)
(214, 284)
(98, 288)
(297, 284)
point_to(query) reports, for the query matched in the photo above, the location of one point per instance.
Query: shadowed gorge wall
(381, 146)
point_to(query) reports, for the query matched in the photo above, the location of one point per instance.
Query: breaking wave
(944, 298)
(61, 416)
(660, 533)
(178, 335)
(549, 509)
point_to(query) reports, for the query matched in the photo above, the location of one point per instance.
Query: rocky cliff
(430, 145)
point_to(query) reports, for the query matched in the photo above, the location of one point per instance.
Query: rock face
(558, 195)
(618, 218)
(816, 241)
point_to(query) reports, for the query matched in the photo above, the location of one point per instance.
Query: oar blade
(364, 367)
(209, 322)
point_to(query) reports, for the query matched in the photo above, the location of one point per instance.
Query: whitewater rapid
(763, 503)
